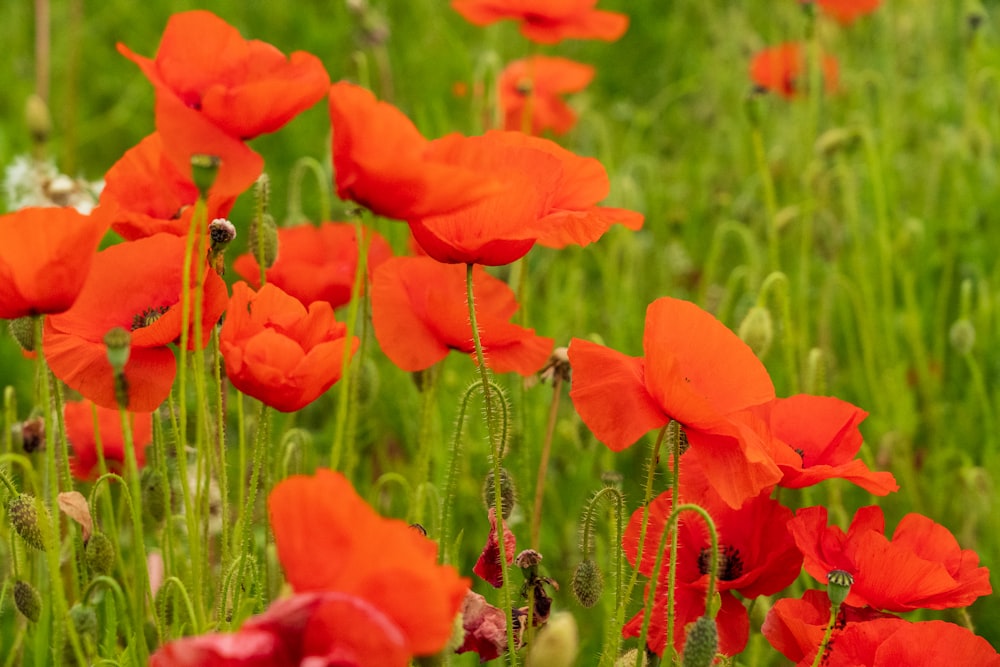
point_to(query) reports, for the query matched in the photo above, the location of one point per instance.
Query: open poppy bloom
(316, 263)
(135, 286)
(547, 22)
(782, 69)
(245, 88)
(757, 557)
(45, 255)
(530, 91)
(381, 161)
(420, 312)
(695, 371)
(921, 567)
(329, 539)
(83, 438)
(325, 628)
(279, 352)
(846, 11)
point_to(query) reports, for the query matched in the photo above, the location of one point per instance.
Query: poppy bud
(588, 582)
(38, 119)
(99, 554)
(367, 381)
(84, 620)
(701, 643)
(630, 658)
(557, 643)
(264, 240)
(28, 600)
(839, 585)
(757, 330)
(508, 493)
(204, 169)
(22, 330)
(962, 336)
(23, 512)
(154, 494)
(816, 372)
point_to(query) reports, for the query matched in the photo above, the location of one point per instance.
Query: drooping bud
(588, 582)
(23, 331)
(701, 644)
(816, 372)
(28, 600)
(24, 516)
(154, 494)
(99, 554)
(84, 620)
(528, 561)
(508, 493)
(204, 169)
(38, 119)
(839, 584)
(757, 330)
(962, 336)
(557, 643)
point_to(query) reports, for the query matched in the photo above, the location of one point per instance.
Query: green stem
(543, 464)
(826, 637)
(259, 454)
(135, 490)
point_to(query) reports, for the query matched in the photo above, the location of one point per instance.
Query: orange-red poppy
(846, 11)
(381, 161)
(329, 539)
(556, 192)
(316, 263)
(531, 89)
(244, 87)
(921, 567)
(45, 255)
(83, 438)
(695, 371)
(135, 286)
(547, 22)
(782, 69)
(278, 351)
(420, 312)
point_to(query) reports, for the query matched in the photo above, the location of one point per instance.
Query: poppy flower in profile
(327, 628)
(316, 263)
(381, 161)
(420, 312)
(82, 437)
(696, 372)
(531, 89)
(329, 539)
(823, 430)
(244, 87)
(135, 286)
(782, 69)
(921, 567)
(45, 255)
(757, 557)
(846, 11)
(278, 351)
(547, 22)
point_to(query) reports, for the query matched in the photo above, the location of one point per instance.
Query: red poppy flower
(485, 628)
(278, 351)
(316, 263)
(757, 557)
(246, 88)
(329, 539)
(488, 565)
(420, 313)
(697, 372)
(782, 68)
(921, 567)
(530, 92)
(846, 11)
(311, 628)
(135, 286)
(556, 193)
(45, 254)
(381, 161)
(795, 626)
(80, 432)
(891, 642)
(824, 431)
(549, 22)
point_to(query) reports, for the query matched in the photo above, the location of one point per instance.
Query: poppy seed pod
(588, 583)
(24, 516)
(28, 600)
(839, 585)
(204, 169)
(701, 644)
(508, 493)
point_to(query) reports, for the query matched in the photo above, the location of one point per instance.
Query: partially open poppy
(83, 438)
(488, 564)
(244, 87)
(547, 22)
(329, 539)
(316, 263)
(278, 351)
(420, 313)
(782, 69)
(531, 89)
(45, 255)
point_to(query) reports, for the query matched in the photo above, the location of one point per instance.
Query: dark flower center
(523, 87)
(730, 563)
(147, 317)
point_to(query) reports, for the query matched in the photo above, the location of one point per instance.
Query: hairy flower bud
(24, 516)
(962, 336)
(154, 494)
(757, 330)
(701, 644)
(263, 235)
(28, 600)
(508, 493)
(588, 583)
(22, 330)
(557, 643)
(99, 554)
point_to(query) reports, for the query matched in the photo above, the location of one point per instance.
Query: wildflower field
(524, 332)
